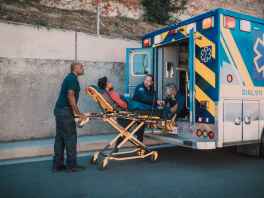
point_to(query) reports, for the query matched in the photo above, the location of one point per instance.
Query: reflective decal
(258, 58)
(206, 54)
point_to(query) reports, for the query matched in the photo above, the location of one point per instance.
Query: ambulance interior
(172, 67)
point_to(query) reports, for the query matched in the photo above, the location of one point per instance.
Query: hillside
(77, 20)
(118, 18)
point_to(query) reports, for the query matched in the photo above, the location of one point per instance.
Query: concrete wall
(25, 41)
(91, 48)
(31, 74)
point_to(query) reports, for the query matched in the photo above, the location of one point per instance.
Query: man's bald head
(74, 64)
(77, 68)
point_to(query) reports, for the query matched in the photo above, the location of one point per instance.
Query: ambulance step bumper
(179, 141)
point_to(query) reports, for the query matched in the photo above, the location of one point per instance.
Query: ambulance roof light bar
(229, 22)
(189, 27)
(147, 42)
(157, 39)
(245, 26)
(208, 23)
(174, 31)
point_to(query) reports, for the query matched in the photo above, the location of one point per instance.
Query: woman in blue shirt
(175, 100)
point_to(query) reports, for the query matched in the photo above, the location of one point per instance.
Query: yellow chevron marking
(164, 34)
(231, 61)
(231, 44)
(201, 96)
(204, 42)
(172, 40)
(201, 43)
(205, 72)
(184, 31)
(155, 45)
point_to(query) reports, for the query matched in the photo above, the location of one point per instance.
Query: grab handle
(186, 92)
(247, 119)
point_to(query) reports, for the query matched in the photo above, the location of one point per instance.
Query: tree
(159, 11)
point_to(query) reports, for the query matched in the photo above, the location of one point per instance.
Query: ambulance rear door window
(141, 64)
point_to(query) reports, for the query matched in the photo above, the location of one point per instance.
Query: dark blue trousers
(66, 136)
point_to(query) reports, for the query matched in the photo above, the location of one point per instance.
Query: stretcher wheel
(79, 124)
(103, 165)
(153, 158)
(92, 160)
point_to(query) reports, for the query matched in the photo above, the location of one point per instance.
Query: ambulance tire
(92, 160)
(261, 146)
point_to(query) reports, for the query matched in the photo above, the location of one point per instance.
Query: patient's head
(104, 84)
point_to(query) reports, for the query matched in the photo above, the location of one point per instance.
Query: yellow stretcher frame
(109, 114)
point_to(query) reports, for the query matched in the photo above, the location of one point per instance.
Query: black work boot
(75, 168)
(58, 168)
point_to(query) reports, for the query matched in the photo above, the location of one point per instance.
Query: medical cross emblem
(259, 59)
(206, 54)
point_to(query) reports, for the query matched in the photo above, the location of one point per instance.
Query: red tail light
(230, 22)
(146, 42)
(211, 135)
(174, 31)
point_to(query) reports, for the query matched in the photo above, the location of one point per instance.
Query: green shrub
(159, 11)
(42, 22)
(124, 18)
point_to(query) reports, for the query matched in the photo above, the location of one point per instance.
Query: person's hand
(160, 102)
(160, 107)
(82, 116)
(174, 118)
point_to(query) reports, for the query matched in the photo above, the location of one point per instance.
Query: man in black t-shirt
(66, 134)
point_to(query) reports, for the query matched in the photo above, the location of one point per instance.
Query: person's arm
(73, 104)
(145, 98)
(116, 97)
(160, 102)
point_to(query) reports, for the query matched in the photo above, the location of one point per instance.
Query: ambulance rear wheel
(92, 160)
(153, 158)
(261, 146)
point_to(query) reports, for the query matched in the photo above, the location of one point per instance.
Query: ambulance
(217, 60)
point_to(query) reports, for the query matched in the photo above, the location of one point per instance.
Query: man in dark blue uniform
(145, 93)
(66, 134)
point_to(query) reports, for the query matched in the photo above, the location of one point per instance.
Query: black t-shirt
(70, 83)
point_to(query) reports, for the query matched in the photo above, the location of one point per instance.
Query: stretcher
(111, 111)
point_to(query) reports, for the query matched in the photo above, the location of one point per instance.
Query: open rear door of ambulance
(139, 62)
(192, 77)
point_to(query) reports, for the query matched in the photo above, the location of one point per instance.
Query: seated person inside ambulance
(175, 100)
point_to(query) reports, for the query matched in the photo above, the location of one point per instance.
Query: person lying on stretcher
(126, 103)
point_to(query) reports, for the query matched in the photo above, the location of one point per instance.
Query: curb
(39, 148)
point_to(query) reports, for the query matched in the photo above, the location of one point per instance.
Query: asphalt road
(179, 172)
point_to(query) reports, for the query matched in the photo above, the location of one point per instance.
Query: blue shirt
(70, 83)
(180, 100)
(144, 95)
